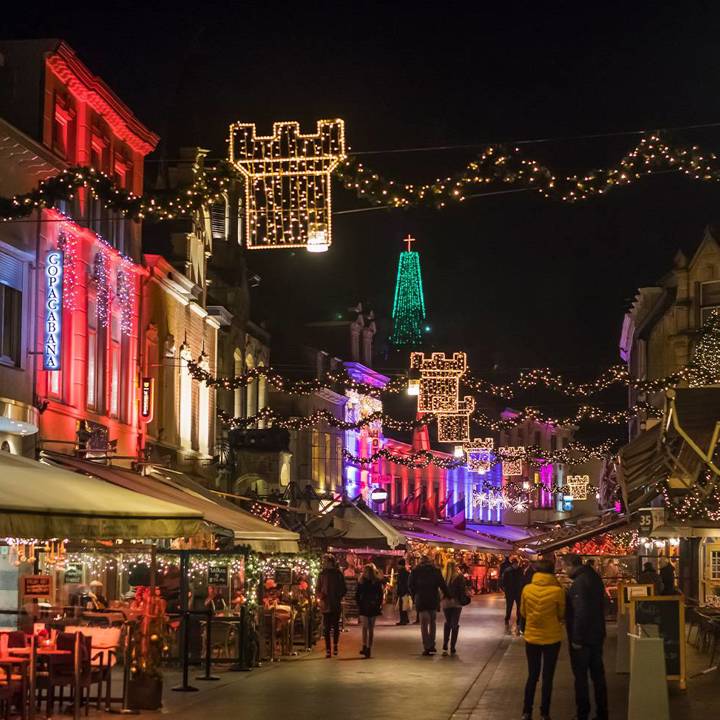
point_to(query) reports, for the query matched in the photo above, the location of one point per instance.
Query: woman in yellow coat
(542, 606)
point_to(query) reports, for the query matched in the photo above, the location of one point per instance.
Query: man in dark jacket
(331, 589)
(403, 591)
(511, 581)
(426, 583)
(585, 616)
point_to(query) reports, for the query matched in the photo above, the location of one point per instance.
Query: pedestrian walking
(511, 582)
(543, 606)
(426, 584)
(369, 597)
(452, 605)
(527, 576)
(586, 634)
(403, 592)
(330, 591)
(650, 576)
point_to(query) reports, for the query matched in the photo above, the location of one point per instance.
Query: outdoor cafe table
(11, 665)
(40, 652)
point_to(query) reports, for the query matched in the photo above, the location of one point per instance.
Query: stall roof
(444, 534)
(504, 533)
(354, 525)
(176, 487)
(43, 501)
(642, 465)
(570, 534)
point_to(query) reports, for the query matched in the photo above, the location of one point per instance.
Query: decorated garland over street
(317, 417)
(575, 453)
(496, 164)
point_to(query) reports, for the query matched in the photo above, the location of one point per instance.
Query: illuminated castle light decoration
(578, 486)
(479, 454)
(439, 380)
(512, 460)
(439, 393)
(287, 183)
(408, 312)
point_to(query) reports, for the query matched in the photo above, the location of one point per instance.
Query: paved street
(484, 682)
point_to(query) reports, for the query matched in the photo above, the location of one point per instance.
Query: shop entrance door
(711, 575)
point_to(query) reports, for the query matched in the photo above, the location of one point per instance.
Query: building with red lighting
(81, 279)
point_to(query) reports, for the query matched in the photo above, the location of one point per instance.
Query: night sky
(516, 280)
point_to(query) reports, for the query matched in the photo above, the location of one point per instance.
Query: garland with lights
(268, 415)
(498, 164)
(292, 387)
(574, 454)
(207, 187)
(608, 544)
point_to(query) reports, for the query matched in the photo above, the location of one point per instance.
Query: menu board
(73, 574)
(36, 586)
(667, 614)
(218, 575)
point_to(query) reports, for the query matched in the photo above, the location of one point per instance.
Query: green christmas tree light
(409, 306)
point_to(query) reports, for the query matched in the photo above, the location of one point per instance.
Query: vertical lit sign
(147, 393)
(53, 310)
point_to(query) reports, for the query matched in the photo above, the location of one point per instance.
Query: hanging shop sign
(147, 395)
(36, 586)
(53, 310)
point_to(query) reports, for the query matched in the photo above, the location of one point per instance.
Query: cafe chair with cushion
(104, 644)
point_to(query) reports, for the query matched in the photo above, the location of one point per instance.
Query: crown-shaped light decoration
(512, 460)
(287, 183)
(578, 486)
(479, 454)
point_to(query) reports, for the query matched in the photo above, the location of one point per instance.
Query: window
(709, 299)
(238, 392)
(316, 459)
(185, 401)
(327, 473)
(220, 219)
(92, 352)
(61, 127)
(114, 366)
(10, 325)
(338, 460)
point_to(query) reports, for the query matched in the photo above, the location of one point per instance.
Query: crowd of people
(544, 612)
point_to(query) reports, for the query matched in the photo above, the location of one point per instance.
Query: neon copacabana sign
(53, 310)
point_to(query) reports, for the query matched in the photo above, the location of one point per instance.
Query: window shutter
(11, 271)
(217, 220)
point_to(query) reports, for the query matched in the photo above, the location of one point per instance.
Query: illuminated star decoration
(287, 183)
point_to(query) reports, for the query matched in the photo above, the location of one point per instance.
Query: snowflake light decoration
(287, 183)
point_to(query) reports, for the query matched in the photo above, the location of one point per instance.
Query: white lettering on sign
(53, 310)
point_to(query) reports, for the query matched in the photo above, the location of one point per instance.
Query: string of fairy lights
(575, 453)
(655, 152)
(508, 166)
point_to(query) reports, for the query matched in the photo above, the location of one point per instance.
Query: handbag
(406, 603)
(465, 599)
